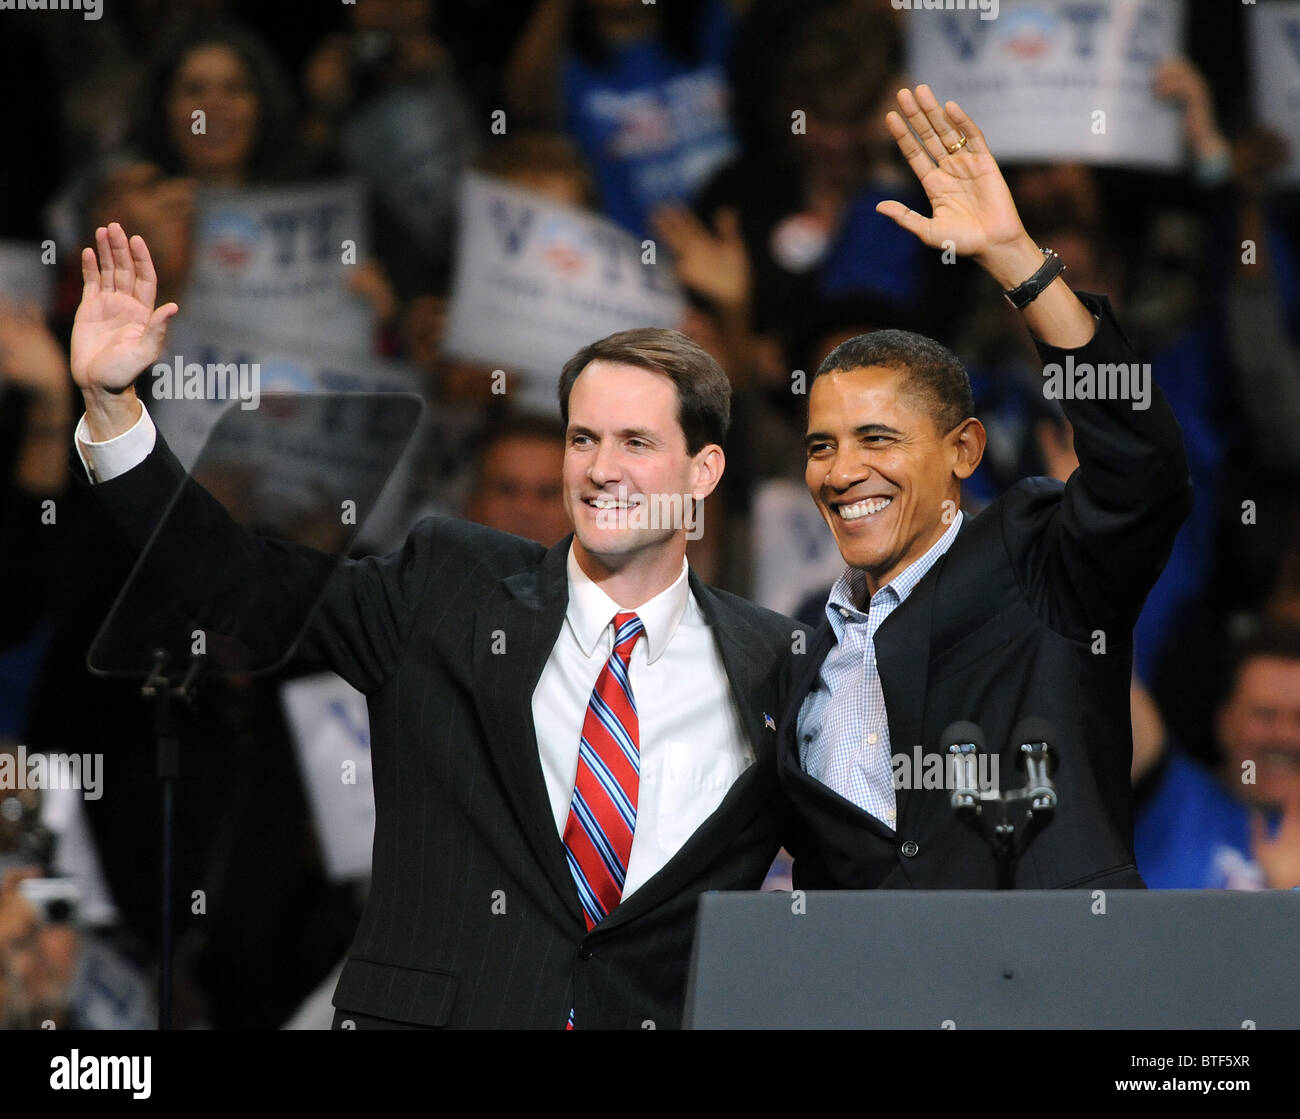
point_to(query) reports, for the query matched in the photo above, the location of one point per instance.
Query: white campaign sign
(273, 260)
(23, 278)
(795, 553)
(1056, 79)
(1274, 31)
(331, 731)
(536, 281)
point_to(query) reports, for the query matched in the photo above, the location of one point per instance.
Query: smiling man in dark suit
(1026, 610)
(569, 745)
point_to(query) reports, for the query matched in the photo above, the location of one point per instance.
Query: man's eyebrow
(625, 433)
(863, 429)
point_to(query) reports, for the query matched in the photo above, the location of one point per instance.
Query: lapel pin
(768, 721)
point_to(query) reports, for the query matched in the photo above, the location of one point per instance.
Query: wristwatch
(1021, 296)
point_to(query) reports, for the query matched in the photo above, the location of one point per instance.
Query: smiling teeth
(610, 503)
(864, 508)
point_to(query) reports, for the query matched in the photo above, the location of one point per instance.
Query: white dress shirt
(693, 744)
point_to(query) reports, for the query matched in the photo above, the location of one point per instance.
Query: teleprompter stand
(284, 469)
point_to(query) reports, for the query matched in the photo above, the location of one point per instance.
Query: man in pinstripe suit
(504, 892)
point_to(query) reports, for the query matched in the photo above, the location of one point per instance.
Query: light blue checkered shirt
(843, 724)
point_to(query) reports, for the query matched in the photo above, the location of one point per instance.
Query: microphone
(1007, 821)
(1038, 760)
(962, 741)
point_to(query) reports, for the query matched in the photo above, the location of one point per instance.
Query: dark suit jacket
(1004, 626)
(462, 815)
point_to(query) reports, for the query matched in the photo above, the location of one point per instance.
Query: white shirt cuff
(105, 461)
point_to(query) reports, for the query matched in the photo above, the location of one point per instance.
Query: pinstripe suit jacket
(461, 804)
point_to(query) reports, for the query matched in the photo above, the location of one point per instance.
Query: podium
(1019, 959)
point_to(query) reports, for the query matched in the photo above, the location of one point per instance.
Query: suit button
(909, 848)
(584, 952)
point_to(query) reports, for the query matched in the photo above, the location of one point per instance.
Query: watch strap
(1024, 294)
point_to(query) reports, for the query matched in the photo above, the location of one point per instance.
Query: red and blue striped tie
(602, 814)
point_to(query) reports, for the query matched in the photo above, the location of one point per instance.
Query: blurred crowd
(673, 119)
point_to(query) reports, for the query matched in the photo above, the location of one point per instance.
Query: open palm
(117, 332)
(970, 203)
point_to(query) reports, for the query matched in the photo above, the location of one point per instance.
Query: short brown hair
(703, 391)
(540, 152)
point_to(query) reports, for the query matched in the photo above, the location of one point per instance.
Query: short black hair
(1275, 638)
(932, 372)
(703, 391)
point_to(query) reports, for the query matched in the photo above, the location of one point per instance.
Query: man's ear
(967, 440)
(706, 470)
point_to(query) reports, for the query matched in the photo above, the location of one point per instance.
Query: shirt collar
(591, 610)
(850, 588)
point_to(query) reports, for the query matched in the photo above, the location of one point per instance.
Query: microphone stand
(160, 687)
(1007, 822)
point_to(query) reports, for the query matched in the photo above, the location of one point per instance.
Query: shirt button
(584, 952)
(909, 848)
(872, 738)
(891, 815)
(843, 612)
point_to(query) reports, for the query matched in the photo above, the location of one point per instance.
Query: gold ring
(955, 148)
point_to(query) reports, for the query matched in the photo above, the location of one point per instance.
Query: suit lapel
(525, 613)
(819, 647)
(743, 671)
(903, 660)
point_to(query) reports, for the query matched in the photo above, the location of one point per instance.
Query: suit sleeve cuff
(1108, 336)
(114, 457)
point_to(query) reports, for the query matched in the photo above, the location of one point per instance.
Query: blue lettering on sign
(513, 227)
(965, 36)
(317, 223)
(609, 247)
(1148, 27)
(1084, 18)
(360, 734)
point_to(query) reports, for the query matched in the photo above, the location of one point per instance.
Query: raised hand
(969, 199)
(1279, 857)
(972, 209)
(117, 332)
(29, 354)
(712, 263)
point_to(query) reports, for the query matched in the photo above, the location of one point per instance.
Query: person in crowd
(517, 483)
(385, 102)
(640, 87)
(1238, 828)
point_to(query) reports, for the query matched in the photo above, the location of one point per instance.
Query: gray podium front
(1022, 959)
